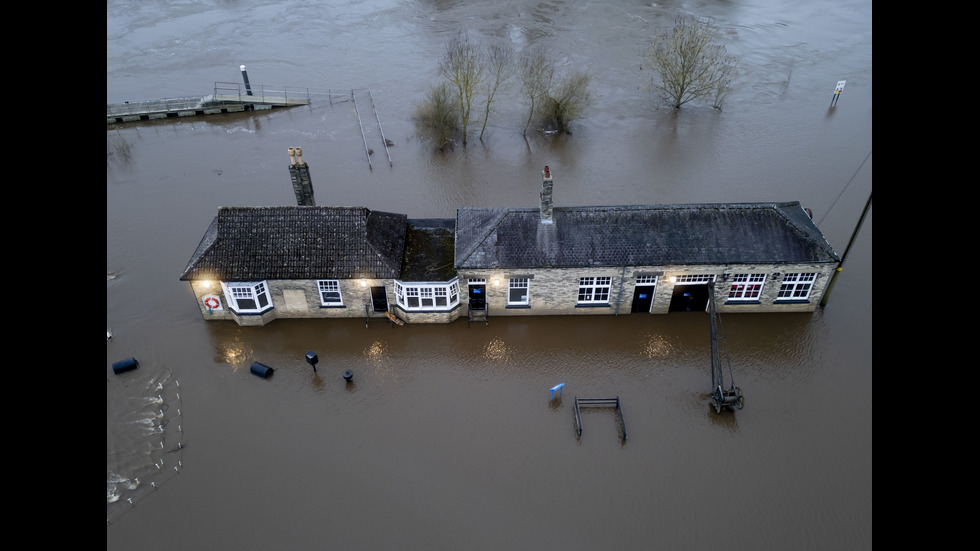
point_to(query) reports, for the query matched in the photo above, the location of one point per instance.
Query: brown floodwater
(447, 437)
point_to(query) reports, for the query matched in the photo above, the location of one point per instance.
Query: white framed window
(330, 292)
(517, 291)
(593, 290)
(247, 298)
(453, 292)
(427, 296)
(746, 287)
(646, 280)
(796, 286)
(693, 278)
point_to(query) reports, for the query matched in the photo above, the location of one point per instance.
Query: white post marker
(837, 91)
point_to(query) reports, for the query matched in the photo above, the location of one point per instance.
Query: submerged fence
(145, 445)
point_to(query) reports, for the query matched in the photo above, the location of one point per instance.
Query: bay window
(247, 298)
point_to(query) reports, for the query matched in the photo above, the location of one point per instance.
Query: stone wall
(295, 298)
(555, 291)
(551, 291)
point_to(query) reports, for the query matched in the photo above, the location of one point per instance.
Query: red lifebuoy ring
(211, 303)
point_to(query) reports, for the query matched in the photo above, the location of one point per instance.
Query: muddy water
(446, 438)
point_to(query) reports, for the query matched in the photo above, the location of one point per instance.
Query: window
(517, 291)
(247, 298)
(796, 286)
(330, 292)
(454, 292)
(746, 287)
(412, 296)
(427, 296)
(593, 289)
(693, 278)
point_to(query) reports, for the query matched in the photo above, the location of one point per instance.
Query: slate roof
(641, 235)
(254, 243)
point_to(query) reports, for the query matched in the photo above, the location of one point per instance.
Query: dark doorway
(642, 298)
(689, 298)
(380, 299)
(478, 297)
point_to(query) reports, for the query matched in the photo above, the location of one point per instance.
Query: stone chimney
(546, 202)
(299, 173)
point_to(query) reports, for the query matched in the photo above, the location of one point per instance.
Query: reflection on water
(657, 347)
(497, 351)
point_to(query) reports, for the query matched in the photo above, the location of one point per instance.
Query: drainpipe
(622, 281)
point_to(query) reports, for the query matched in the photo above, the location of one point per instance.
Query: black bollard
(261, 370)
(123, 366)
(348, 375)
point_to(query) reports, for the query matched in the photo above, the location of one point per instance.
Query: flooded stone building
(257, 264)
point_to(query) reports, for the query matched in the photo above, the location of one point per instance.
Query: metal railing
(154, 106)
(262, 93)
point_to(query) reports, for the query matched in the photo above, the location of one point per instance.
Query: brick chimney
(299, 173)
(546, 202)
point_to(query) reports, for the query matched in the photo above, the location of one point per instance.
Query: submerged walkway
(228, 97)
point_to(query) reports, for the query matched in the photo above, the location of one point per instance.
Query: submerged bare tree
(439, 115)
(692, 63)
(499, 68)
(536, 74)
(464, 68)
(566, 101)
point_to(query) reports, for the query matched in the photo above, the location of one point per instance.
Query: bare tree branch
(536, 74)
(499, 67)
(464, 67)
(692, 63)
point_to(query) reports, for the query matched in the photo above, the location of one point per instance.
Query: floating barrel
(348, 375)
(261, 370)
(123, 366)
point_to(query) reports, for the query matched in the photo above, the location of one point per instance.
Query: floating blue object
(557, 387)
(123, 366)
(261, 370)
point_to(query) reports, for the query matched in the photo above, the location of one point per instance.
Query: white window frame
(594, 290)
(796, 286)
(688, 279)
(255, 291)
(516, 284)
(427, 296)
(746, 287)
(325, 286)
